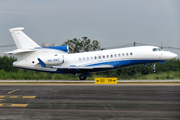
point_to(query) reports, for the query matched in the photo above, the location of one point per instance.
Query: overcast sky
(111, 22)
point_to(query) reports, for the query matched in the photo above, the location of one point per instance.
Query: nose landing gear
(154, 67)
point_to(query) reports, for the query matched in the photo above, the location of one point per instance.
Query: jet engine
(53, 60)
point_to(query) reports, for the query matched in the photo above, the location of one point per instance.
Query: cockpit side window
(155, 49)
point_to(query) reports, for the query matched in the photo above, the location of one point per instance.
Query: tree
(6, 63)
(84, 45)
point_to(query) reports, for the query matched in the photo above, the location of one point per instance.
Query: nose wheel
(154, 67)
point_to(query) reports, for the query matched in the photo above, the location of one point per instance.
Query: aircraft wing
(86, 67)
(69, 67)
(103, 66)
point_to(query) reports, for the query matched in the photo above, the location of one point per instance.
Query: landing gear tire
(82, 77)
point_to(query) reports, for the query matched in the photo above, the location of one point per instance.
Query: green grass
(33, 75)
(162, 75)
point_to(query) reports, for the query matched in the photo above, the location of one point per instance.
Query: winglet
(42, 63)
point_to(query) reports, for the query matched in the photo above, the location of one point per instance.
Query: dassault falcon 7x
(57, 59)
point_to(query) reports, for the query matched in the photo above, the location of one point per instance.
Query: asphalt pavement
(90, 102)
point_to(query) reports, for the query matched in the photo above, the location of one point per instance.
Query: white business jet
(56, 59)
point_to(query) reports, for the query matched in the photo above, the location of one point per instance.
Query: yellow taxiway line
(28, 96)
(13, 91)
(18, 105)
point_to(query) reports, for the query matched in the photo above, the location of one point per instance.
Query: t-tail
(23, 43)
(21, 40)
(29, 53)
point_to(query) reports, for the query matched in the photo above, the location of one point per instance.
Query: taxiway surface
(90, 102)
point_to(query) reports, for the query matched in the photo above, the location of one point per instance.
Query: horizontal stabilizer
(19, 51)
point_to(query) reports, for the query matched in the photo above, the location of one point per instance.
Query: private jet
(57, 59)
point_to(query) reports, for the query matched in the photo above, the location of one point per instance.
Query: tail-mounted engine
(53, 60)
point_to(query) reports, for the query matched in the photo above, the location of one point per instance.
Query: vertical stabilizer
(21, 40)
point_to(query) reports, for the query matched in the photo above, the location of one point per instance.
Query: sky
(111, 22)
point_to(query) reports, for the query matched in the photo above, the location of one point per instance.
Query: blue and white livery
(57, 59)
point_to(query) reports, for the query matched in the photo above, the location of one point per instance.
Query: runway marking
(12, 105)
(18, 96)
(13, 96)
(28, 96)
(19, 105)
(13, 91)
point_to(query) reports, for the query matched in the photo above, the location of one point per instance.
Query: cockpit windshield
(157, 49)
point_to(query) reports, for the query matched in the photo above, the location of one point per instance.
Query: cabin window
(79, 59)
(111, 56)
(131, 53)
(32, 61)
(123, 54)
(115, 55)
(119, 55)
(99, 57)
(87, 58)
(107, 56)
(91, 58)
(95, 57)
(103, 56)
(127, 54)
(83, 59)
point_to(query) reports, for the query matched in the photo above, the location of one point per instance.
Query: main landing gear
(81, 77)
(84, 76)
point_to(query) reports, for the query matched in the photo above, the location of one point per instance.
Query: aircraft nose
(176, 55)
(173, 55)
